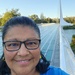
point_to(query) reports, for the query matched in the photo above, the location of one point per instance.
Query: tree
(42, 17)
(34, 17)
(73, 44)
(9, 14)
(48, 20)
(0, 21)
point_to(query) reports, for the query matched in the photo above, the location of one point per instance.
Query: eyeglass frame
(21, 42)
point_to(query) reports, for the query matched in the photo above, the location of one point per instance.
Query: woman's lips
(23, 62)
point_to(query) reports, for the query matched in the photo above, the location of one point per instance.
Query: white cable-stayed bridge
(56, 48)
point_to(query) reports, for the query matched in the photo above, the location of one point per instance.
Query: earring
(3, 59)
(41, 60)
(40, 57)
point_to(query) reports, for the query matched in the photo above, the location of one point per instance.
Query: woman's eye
(31, 43)
(13, 44)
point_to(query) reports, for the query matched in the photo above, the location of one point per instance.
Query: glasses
(16, 45)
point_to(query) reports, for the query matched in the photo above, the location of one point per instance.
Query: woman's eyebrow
(13, 40)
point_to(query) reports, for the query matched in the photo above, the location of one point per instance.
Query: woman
(21, 44)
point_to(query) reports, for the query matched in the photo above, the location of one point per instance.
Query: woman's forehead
(19, 27)
(21, 32)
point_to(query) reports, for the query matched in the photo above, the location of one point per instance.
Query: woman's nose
(23, 51)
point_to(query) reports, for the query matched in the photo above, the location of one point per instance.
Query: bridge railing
(67, 58)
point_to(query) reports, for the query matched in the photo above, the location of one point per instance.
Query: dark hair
(24, 21)
(19, 21)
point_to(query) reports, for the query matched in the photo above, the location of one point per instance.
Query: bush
(73, 44)
(69, 27)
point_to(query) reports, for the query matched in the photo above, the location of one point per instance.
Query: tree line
(42, 19)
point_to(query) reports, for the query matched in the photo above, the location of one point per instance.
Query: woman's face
(23, 61)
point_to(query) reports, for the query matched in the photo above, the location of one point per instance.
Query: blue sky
(50, 8)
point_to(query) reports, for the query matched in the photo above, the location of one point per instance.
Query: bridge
(56, 48)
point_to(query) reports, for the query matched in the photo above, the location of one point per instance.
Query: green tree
(73, 43)
(0, 21)
(48, 20)
(34, 17)
(9, 14)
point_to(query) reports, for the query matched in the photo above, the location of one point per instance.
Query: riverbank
(69, 27)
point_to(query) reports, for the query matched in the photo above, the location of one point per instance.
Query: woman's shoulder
(54, 71)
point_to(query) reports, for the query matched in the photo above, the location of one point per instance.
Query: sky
(49, 8)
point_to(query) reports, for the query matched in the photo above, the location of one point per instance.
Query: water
(69, 34)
